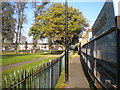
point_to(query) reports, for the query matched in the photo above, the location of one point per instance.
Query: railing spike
(36, 68)
(14, 77)
(10, 79)
(18, 75)
(28, 72)
(6, 82)
(23, 74)
(18, 71)
(40, 67)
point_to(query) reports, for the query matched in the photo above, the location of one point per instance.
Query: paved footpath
(77, 78)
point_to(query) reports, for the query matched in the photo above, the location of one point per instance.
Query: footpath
(10, 66)
(77, 78)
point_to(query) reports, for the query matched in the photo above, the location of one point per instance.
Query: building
(40, 46)
(87, 37)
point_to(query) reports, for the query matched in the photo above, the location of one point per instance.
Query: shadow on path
(91, 83)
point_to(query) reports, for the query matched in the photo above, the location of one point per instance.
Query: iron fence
(101, 56)
(43, 76)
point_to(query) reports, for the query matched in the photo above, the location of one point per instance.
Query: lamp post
(66, 42)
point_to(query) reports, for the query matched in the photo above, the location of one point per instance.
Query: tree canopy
(51, 24)
(38, 9)
(8, 23)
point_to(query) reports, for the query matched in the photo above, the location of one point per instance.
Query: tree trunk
(50, 44)
(34, 45)
(17, 33)
(16, 43)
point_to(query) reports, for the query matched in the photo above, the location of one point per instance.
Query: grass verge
(26, 67)
(16, 58)
(61, 80)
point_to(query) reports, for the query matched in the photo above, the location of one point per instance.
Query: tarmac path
(77, 78)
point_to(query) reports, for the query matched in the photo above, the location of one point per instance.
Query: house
(86, 37)
(40, 46)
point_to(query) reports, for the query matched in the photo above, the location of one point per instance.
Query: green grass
(8, 58)
(16, 58)
(60, 83)
(61, 80)
(26, 67)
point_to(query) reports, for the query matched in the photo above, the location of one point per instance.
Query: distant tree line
(13, 18)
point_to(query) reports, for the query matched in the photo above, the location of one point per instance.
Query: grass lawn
(26, 67)
(15, 58)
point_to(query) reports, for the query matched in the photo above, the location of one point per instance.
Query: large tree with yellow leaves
(51, 24)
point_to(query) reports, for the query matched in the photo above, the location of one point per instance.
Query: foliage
(38, 9)
(8, 24)
(51, 24)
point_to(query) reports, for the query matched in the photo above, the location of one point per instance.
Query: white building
(40, 46)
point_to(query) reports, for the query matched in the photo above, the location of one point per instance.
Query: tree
(38, 9)
(35, 6)
(20, 6)
(8, 24)
(23, 39)
(26, 45)
(52, 24)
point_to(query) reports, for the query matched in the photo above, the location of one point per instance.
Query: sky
(90, 11)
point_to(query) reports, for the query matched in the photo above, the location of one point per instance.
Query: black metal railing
(43, 76)
(102, 58)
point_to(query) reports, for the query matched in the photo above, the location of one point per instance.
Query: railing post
(34, 78)
(93, 58)
(10, 79)
(18, 79)
(39, 78)
(60, 65)
(51, 75)
(30, 77)
(50, 72)
(86, 54)
(14, 79)
(32, 83)
(24, 78)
